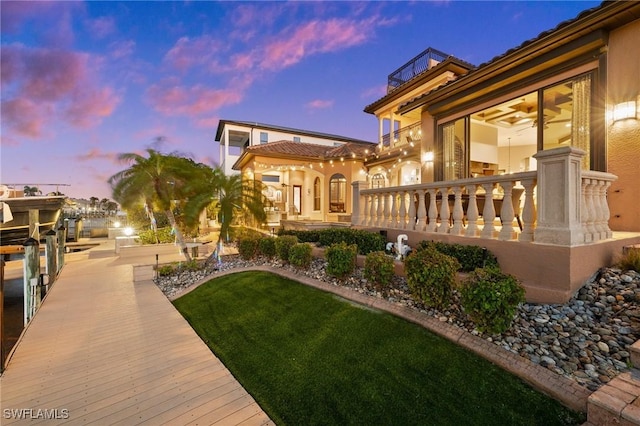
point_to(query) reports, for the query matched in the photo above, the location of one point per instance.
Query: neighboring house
(307, 175)
(545, 137)
(234, 136)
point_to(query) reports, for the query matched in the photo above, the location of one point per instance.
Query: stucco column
(356, 213)
(559, 197)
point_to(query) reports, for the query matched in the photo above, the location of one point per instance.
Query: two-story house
(535, 151)
(307, 175)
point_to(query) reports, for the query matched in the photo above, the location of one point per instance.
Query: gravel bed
(586, 339)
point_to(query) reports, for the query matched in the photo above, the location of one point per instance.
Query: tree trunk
(183, 245)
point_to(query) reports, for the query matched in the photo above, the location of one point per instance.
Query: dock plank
(108, 351)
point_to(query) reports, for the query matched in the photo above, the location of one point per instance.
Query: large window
(377, 181)
(337, 193)
(316, 194)
(503, 138)
(453, 149)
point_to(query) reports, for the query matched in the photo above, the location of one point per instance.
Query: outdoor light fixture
(116, 224)
(624, 110)
(427, 157)
(128, 231)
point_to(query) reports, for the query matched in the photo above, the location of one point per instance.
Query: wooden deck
(102, 350)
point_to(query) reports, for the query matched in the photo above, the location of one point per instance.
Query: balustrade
(472, 207)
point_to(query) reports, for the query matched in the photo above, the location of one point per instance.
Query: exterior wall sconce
(624, 110)
(427, 157)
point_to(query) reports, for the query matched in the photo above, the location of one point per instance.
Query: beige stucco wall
(623, 75)
(305, 177)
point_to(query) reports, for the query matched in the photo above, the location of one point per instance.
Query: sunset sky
(84, 81)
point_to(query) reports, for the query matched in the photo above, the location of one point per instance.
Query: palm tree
(233, 197)
(155, 180)
(31, 191)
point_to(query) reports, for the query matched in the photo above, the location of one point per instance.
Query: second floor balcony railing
(411, 134)
(414, 67)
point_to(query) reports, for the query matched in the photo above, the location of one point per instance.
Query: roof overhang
(451, 64)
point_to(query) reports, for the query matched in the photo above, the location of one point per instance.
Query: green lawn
(309, 357)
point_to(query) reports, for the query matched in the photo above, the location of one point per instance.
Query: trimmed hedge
(469, 257)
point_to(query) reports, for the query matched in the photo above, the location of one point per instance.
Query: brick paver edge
(561, 388)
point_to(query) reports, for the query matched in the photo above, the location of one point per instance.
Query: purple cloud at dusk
(82, 82)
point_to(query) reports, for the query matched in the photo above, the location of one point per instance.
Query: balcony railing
(414, 67)
(411, 134)
(474, 205)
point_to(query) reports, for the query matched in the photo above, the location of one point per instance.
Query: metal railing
(409, 135)
(416, 66)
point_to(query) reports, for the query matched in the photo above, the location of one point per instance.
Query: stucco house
(535, 151)
(307, 175)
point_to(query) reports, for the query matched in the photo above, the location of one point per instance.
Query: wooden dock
(104, 350)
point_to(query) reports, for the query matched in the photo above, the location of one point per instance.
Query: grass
(310, 358)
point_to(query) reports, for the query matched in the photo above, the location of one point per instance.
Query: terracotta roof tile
(307, 150)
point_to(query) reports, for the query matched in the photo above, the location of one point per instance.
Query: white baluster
(458, 212)
(444, 211)
(394, 210)
(507, 232)
(472, 212)
(380, 211)
(433, 211)
(402, 222)
(365, 210)
(588, 212)
(422, 212)
(372, 211)
(385, 210)
(411, 224)
(489, 212)
(528, 211)
(605, 213)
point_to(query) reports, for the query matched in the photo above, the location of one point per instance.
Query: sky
(82, 82)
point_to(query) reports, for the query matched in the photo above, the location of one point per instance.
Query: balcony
(416, 66)
(410, 135)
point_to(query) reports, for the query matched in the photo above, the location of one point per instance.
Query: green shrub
(303, 236)
(300, 255)
(165, 270)
(378, 269)
(470, 257)
(164, 236)
(267, 246)
(431, 276)
(365, 240)
(191, 265)
(241, 232)
(248, 247)
(630, 260)
(341, 259)
(490, 298)
(283, 246)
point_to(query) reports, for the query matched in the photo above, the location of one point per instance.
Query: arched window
(377, 181)
(337, 193)
(316, 194)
